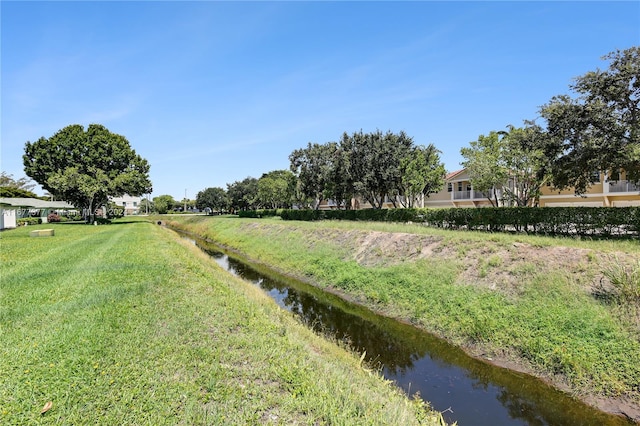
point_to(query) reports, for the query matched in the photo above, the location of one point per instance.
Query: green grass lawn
(128, 324)
(546, 319)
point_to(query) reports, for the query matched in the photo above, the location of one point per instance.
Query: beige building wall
(129, 203)
(605, 192)
(458, 192)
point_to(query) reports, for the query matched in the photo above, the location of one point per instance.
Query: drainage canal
(465, 389)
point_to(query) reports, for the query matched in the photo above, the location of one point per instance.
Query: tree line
(376, 166)
(598, 130)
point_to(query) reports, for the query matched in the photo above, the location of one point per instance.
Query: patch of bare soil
(383, 248)
(488, 264)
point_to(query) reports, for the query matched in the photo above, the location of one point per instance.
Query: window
(595, 176)
(460, 186)
(449, 187)
(124, 204)
(135, 204)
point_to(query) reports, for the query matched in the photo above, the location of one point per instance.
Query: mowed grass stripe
(22, 260)
(63, 272)
(146, 330)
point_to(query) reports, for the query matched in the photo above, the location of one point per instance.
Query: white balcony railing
(461, 195)
(623, 186)
(468, 195)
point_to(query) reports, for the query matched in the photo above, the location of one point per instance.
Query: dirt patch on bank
(384, 248)
(494, 265)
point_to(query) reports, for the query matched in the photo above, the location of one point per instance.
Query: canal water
(463, 388)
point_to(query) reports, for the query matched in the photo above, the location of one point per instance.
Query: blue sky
(212, 92)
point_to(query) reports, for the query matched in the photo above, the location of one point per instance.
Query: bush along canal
(465, 389)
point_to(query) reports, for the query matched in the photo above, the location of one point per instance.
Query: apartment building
(459, 192)
(129, 203)
(607, 190)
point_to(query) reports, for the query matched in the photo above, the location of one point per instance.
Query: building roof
(453, 174)
(34, 203)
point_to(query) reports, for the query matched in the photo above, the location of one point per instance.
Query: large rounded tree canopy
(85, 168)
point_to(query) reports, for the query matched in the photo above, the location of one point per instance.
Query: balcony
(468, 195)
(623, 186)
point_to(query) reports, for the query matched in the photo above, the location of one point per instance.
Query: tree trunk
(87, 213)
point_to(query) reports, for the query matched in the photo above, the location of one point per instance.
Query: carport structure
(12, 209)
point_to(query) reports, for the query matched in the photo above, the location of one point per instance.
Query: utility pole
(185, 200)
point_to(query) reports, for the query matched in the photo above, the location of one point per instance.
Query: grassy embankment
(127, 324)
(527, 299)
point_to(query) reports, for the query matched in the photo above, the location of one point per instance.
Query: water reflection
(467, 390)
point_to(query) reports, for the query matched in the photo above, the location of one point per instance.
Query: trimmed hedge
(568, 221)
(259, 213)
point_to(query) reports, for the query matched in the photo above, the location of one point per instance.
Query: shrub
(29, 221)
(248, 213)
(53, 217)
(260, 213)
(307, 215)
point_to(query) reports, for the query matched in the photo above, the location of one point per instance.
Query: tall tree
(214, 198)
(243, 194)
(374, 163)
(422, 173)
(507, 166)
(340, 185)
(276, 189)
(16, 188)
(524, 162)
(484, 162)
(312, 167)
(164, 203)
(322, 173)
(600, 129)
(11, 192)
(7, 181)
(85, 168)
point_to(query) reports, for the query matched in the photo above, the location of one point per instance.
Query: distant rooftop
(34, 203)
